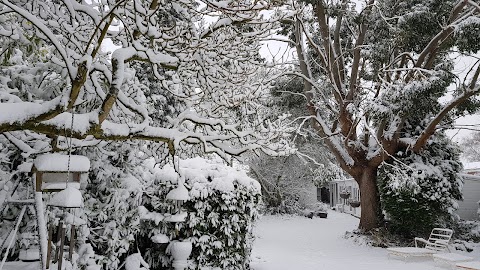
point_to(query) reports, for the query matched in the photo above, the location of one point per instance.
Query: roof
(472, 165)
(60, 163)
(470, 177)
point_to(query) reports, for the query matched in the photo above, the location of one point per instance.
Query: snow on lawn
(22, 266)
(292, 242)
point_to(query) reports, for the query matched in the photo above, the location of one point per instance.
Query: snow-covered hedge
(221, 211)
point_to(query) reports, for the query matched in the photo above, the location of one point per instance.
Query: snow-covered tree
(289, 182)
(471, 147)
(60, 79)
(176, 74)
(420, 190)
(368, 65)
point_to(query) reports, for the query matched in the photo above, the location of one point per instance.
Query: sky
(471, 121)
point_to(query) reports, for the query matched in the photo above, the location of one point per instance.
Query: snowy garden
(239, 134)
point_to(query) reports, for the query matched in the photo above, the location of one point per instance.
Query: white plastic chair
(436, 243)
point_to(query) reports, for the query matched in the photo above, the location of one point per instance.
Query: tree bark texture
(369, 199)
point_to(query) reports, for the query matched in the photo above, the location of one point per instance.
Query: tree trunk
(369, 199)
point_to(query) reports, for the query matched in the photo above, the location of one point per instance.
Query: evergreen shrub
(222, 208)
(420, 191)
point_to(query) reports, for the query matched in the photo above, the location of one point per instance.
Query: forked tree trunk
(369, 199)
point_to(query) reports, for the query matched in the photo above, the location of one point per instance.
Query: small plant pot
(30, 255)
(322, 214)
(354, 204)
(345, 195)
(181, 250)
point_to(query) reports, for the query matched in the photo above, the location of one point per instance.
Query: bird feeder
(180, 250)
(69, 199)
(179, 194)
(52, 172)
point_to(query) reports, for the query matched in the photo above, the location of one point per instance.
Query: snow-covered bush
(111, 203)
(419, 191)
(221, 211)
(468, 230)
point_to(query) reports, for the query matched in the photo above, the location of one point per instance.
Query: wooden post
(49, 246)
(76, 177)
(62, 243)
(59, 233)
(38, 181)
(72, 242)
(42, 229)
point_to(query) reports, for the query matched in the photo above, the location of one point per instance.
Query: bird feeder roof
(180, 193)
(59, 163)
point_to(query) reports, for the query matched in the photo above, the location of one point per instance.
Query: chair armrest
(419, 239)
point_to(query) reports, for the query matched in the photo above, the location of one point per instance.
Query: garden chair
(436, 243)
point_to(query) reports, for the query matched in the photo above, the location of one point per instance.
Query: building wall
(341, 204)
(467, 209)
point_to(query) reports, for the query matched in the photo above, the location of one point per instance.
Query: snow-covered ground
(291, 242)
(299, 243)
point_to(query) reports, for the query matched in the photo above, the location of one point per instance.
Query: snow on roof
(69, 197)
(180, 193)
(471, 177)
(471, 165)
(343, 180)
(59, 163)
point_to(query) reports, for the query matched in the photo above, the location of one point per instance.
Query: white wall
(467, 209)
(352, 186)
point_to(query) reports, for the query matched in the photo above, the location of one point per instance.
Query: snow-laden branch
(25, 148)
(436, 41)
(420, 142)
(163, 63)
(47, 32)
